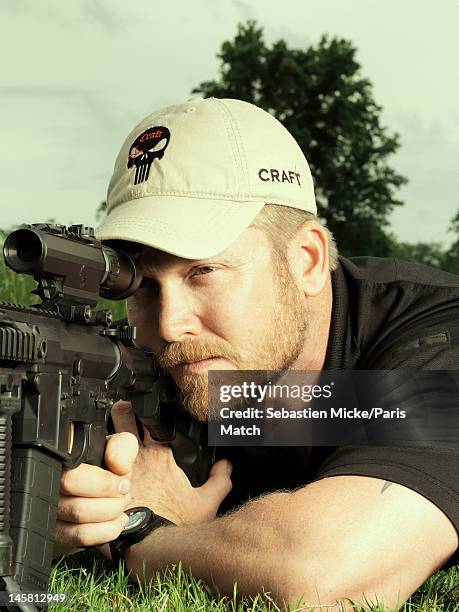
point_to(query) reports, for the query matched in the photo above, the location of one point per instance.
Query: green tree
(451, 257)
(101, 210)
(427, 253)
(320, 96)
(434, 254)
(15, 288)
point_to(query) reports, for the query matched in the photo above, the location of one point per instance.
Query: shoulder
(388, 271)
(395, 304)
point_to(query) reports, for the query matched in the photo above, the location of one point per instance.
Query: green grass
(92, 583)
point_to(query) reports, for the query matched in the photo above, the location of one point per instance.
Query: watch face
(142, 521)
(138, 517)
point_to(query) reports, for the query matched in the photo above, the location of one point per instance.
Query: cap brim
(193, 228)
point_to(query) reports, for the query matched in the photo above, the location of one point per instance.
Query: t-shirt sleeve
(431, 470)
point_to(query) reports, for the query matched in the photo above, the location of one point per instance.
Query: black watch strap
(142, 521)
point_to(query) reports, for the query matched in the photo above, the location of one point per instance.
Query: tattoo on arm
(386, 485)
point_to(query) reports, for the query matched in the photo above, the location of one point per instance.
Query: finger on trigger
(121, 452)
(123, 418)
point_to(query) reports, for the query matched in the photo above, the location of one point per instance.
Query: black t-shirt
(386, 314)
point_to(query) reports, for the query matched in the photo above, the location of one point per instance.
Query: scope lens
(21, 248)
(30, 250)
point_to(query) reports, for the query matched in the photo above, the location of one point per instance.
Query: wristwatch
(142, 521)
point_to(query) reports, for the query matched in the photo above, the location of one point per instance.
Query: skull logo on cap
(150, 145)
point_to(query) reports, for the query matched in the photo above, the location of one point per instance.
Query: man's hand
(157, 481)
(91, 504)
(92, 500)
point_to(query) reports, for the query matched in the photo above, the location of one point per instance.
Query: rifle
(62, 366)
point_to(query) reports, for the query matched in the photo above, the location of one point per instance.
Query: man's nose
(178, 317)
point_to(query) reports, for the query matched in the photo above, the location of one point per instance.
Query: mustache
(184, 352)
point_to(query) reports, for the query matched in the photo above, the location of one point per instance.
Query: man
(240, 274)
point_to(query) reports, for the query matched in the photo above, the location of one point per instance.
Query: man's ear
(308, 253)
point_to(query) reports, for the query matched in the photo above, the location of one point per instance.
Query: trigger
(111, 427)
(140, 429)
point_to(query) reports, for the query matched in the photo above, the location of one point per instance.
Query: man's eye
(203, 270)
(147, 283)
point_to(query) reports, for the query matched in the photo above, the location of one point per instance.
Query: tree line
(322, 98)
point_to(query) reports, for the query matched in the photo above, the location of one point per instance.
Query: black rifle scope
(71, 264)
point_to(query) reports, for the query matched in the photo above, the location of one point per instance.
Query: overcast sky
(77, 76)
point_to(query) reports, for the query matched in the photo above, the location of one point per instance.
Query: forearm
(251, 546)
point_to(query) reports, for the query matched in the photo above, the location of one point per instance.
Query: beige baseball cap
(190, 178)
